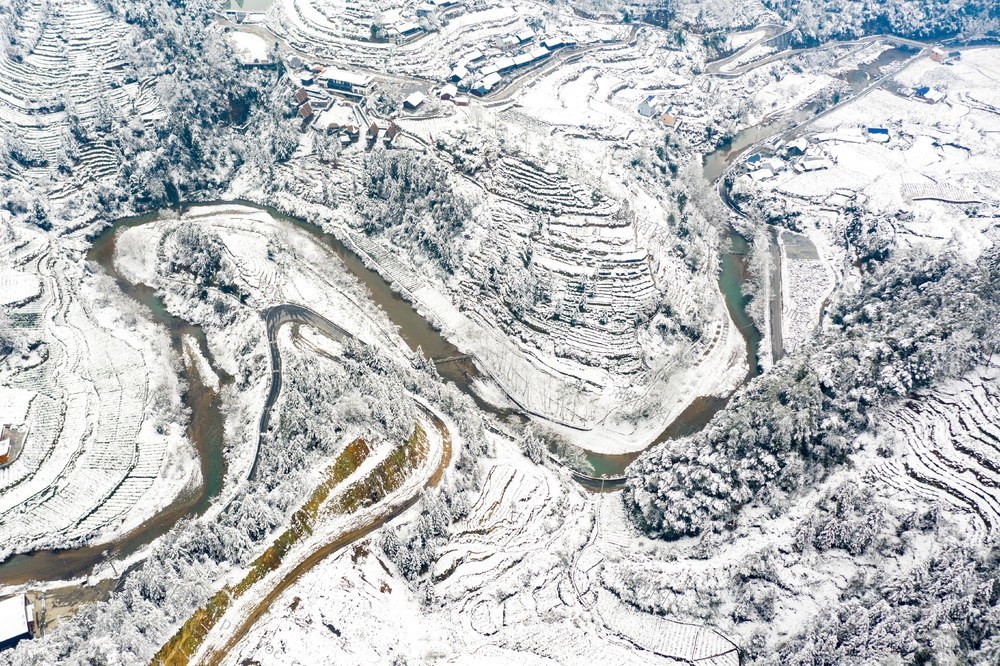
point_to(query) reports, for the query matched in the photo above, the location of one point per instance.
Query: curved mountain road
(274, 318)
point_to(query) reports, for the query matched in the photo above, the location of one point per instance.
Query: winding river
(207, 421)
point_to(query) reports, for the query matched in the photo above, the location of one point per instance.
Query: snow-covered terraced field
(950, 447)
(71, 74)
(85, 465)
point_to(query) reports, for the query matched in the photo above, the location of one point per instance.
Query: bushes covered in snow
(409, 196)
(922, 19)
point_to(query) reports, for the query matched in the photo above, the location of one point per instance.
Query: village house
(414, 100)
(404, 29)
(385, 131)
(17, 621)
(345, 81)
(448, 91)
(797, 147)
(486, 84)
(930, 95)
(649, 106)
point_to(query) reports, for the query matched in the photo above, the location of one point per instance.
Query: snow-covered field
(934, 177)
(519, 582)
(106, 448)
(583, 283)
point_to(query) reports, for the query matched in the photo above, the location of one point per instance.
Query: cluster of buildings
(330, 99)
(804, 154)
(480, 72)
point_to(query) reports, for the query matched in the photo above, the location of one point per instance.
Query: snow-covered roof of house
(931, 94)
(522, 59)
(345, 76)
(504, 63)
(761, 174)
(525, 35)
(487, 82)
(648, 105)
(449, 90)
(414, 99)
(799, 144)
(552, 43)
(407, 27)
(539, 53)
(14, 616)
(815, 163)
(474, 56)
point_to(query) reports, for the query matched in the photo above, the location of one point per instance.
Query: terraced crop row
(951, 447)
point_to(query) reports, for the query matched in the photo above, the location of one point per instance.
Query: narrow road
(274, 318)
(388, 513)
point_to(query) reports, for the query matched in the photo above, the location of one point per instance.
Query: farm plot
(364, 36)
(949, 447)
(69, 75)
(806, 281)
(506, 587)
(91, 455)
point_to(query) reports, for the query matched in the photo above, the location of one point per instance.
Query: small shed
(301, 95)
(448, 92)
(306, 110)
(938, 55)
